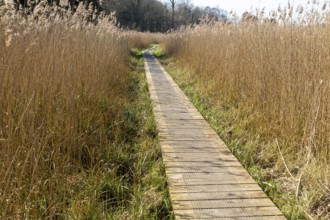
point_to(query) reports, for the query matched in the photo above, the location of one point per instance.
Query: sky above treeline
(240, 6)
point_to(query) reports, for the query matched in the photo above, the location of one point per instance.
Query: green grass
(137, 53)
(142, 188)
(159, 53)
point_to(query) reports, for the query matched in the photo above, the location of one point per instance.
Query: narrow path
(205, 180)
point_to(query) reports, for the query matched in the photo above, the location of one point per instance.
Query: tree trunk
(173, 12)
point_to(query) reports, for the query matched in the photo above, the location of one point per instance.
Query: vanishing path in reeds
(205, 179)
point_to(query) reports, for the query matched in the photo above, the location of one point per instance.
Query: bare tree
(173, 12)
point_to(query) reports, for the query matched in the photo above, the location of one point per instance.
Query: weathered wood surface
(205, 180)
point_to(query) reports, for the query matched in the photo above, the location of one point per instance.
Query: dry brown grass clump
(143, 39)
(279, 72)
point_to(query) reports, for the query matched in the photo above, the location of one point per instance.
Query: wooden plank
(187, 131)
(215, 188)
(229, 213)
(219, 155)
(239, 218)
(190, 149)
(205, 163)
(181, 116)
(218, 196)
(226, 173)
(173, 108)
(167, 135)
(221, 204)
(198, 144)
(225, 179)
(229, 170)
(196, 157)
(183, 127)
(163, 137)
(178, 138)
(202, 169)
(212, 142)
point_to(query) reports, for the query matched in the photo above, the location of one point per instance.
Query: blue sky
(242, 5)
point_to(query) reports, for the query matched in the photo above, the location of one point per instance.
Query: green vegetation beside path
(146, 186)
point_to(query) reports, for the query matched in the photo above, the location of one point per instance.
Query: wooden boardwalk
(205, 180)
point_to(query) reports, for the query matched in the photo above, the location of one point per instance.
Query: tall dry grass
(143, 39)
(61, 88)
(279, 72)
(67, 133)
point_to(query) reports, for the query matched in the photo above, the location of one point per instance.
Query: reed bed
(275, 72)
(76, 133)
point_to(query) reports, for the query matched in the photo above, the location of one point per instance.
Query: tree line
(160, 16)
(140, 15)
